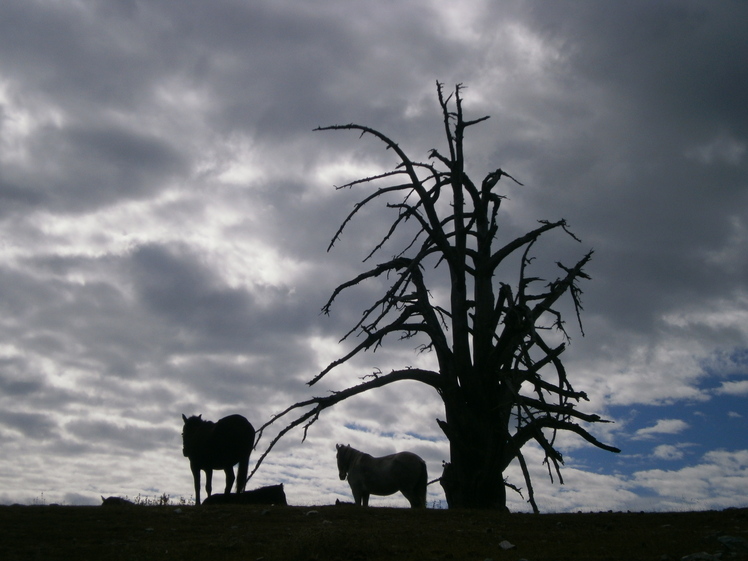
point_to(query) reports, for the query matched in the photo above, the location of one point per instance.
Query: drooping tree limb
(528, 482)
(563, 410)
(531, 431)
(514, 245)
(561, 286)
(410, 168)
(409, 273)
(374, 339)
(358, 206)
(380, 269)
(319, 404)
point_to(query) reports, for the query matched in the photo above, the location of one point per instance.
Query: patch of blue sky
(368, 430)
(390, 434)
(669, 436)
(427, 438)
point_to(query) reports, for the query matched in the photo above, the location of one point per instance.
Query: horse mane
(347, 454)
(196, 433)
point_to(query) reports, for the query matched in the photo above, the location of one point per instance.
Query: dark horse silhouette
(219, 445)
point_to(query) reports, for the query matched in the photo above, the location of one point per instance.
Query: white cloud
(655, 371)
(718, 481)
(667, 452)
(733, 388)
(663, 426)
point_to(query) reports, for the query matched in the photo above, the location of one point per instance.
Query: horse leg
(422, 497)
(415, 501)
(357, 498)
(365, 499)
(209, 481)
(356, 493)
(196, 480)
(416, 495)
(229, 479)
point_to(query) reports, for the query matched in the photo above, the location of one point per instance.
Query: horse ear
(184, 418)
(103, 500)
(337, 447)
(200, 416)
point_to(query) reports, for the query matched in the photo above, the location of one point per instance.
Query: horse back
(408, 463)
(235, 427)
(230, 442)
(389, 474)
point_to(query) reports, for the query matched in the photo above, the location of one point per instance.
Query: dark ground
(250, 533)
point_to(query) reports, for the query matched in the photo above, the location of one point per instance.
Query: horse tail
(241, 476)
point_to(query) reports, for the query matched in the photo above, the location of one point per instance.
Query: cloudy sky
(165, 209)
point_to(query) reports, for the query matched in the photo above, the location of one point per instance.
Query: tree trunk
(474, 476)
(471, 488)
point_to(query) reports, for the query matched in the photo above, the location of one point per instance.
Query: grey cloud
(102, 435)
(77, 169)
(185, 293)
(79, 499)
(173, 284)
(14, 385)
(66, 447)
(623, 172)
(31, 425)
(688, 53)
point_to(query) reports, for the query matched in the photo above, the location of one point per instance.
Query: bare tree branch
(319, 404)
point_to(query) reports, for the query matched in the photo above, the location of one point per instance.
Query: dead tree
(499, 372)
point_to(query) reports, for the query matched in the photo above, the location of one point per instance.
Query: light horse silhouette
(404, 472)
(219, 445)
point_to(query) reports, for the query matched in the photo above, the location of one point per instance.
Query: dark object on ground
(116, 501)
(270, 495)
(338, 502)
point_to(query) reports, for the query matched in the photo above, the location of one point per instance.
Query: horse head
(192, 426)
(344, 459)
